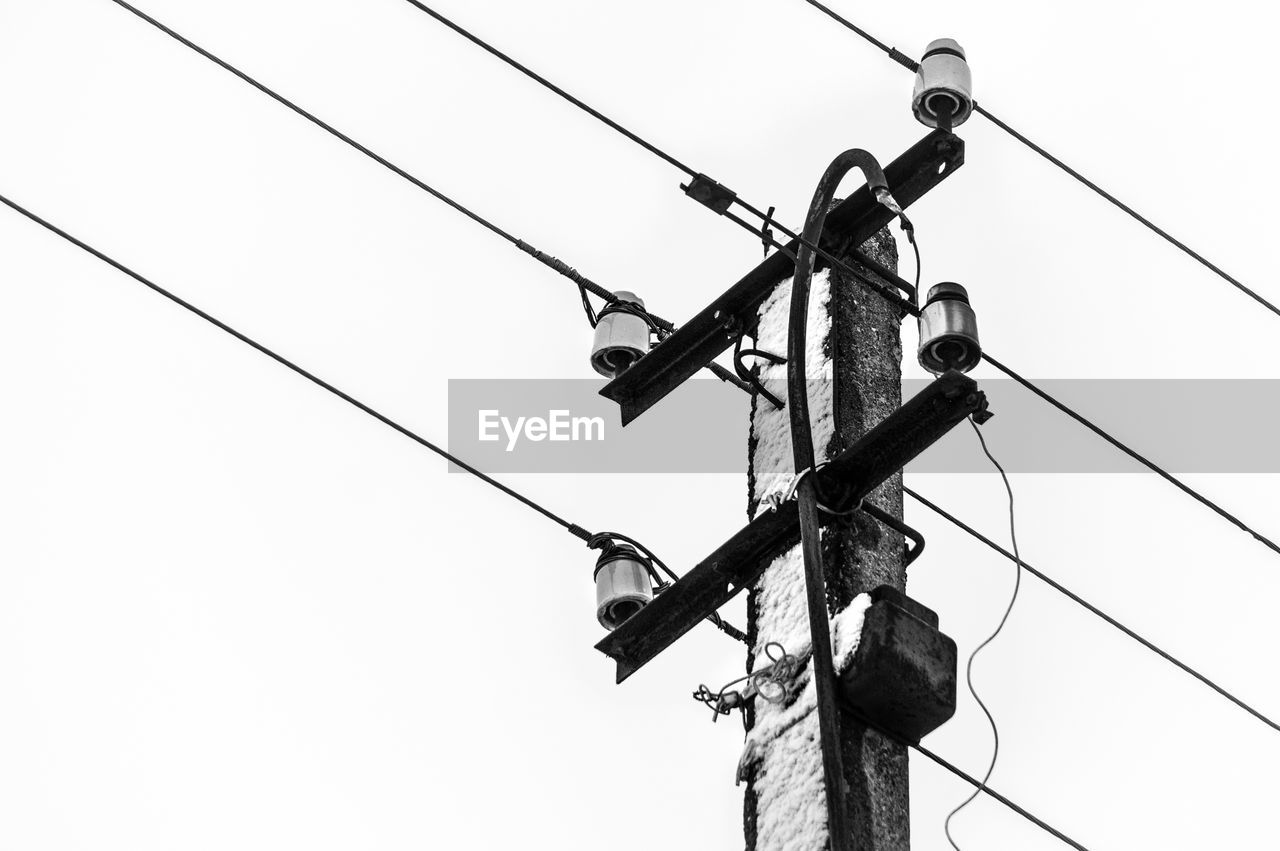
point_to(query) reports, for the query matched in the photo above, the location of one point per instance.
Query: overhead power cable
(1141, 459)
(530, 73)
(572, 528)
(973, 781)
(661, 154)
(766, 236)
(911, 65)
(585, 284)
(1090, 607)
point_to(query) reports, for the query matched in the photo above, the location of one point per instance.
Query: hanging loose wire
(913, 66)
(968, 668)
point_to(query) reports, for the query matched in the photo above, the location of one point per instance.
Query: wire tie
(799, 477)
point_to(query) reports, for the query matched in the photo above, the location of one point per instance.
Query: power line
(910, 64)
(1073, 414)
(1038, 822)
(548, 260)
(836, 262)
(1142, 459)
(971, 780)
(648, 146)
(1090, 607)
(595, 288)
(533, 75)
(573, 528)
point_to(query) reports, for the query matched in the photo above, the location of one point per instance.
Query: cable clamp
(710, 194)
(776, 499)
(766, 233)
(799, 477)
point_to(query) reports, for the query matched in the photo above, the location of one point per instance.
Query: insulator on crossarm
(943, 94)
(624, 585)
(622, 336)
(948, 331)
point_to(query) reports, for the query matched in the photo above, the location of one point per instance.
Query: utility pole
(855, 371)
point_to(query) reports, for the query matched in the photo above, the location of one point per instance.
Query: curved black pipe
(802, 452)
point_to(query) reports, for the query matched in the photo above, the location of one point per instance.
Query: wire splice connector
(710, 194)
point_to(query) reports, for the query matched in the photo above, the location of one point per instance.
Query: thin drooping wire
(1141, 459)
(968, 668)
(911, 65)
(1076, 598)
(572, 528)
(583, 283)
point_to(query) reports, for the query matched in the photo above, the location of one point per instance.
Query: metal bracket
(841, 484)
(849, 225)
(710, 194)
(901, 528)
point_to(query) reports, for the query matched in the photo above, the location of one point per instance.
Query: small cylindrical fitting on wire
(624, 584)
(943, 94)
(948, 331)
(622, 336)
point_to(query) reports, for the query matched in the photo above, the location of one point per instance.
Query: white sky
(235, 612)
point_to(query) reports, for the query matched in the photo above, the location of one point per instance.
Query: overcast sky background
(235, 612)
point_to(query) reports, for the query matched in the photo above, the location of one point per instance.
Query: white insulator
(623, 586)
(948, 331)
(943, 84)
(621, 338)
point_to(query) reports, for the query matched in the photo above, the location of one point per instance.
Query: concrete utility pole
(855, 369)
